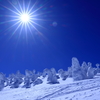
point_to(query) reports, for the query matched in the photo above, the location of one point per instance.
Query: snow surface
(67, 90)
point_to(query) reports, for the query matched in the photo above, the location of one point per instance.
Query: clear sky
(71, 29)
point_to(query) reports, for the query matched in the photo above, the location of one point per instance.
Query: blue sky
(76, 34)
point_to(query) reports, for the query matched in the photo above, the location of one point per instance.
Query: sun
(24, 18)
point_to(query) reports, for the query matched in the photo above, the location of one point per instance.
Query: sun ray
(28, 6)
(38, 9)
(11, 16)
(15, 31)
(14, 7)
(38, 19)
(12, 26)
(31, 32)
(19, 16)
(29, 11)
(17, 28)
(37, 24)
(20, 7)
(10, 9)
(35, 28)
(23, 7)
(10, 21)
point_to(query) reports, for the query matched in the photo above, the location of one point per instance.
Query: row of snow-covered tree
(77, 72)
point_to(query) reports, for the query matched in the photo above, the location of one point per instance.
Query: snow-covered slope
(67, 90)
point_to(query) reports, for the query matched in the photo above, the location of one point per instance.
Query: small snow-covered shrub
(63, 74)
(27, 83)
(2, 80)
(37, 82)
(98, 69)
(15, 83)
(95, 71)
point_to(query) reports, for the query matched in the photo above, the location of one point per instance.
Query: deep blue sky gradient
(77, 34)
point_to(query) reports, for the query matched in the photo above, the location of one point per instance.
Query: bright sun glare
(25, 18)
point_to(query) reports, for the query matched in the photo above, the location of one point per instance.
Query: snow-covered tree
(27, 79)
(52, 78)
(60, 71)
(63, 74)
(2, 80)
(98, 69)
(15, 82)
(27, 83)
(95, 71)
(28, 73)
(84, 69)
(31, 75)
(19, 76)
(37, 82)
(90, 72)
(39, 74)
(69, 71)
(76, 69)
(45, 71)
(53, 71)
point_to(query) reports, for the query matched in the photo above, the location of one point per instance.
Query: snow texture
(88, 89)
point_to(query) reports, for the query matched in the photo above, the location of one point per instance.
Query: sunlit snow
(67, 90)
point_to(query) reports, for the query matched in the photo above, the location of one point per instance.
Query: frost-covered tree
(76, 69)
(98, 69)
(15, 82)
(53, 71)
(39, 74)
(84, 69)
(60, 71)
(10, 79)
(27, 83)
(52, 78)
(19, 76)
(27, 79)
(2, 80)
(90, 72)
(34, 76)
(63, 74)
(37, 82)
(30, 74)
(30, 77)
(95, 71)
(44, 72)
(69, 71)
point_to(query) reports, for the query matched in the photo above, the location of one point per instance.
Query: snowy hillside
(79, 82)
(67, 90)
